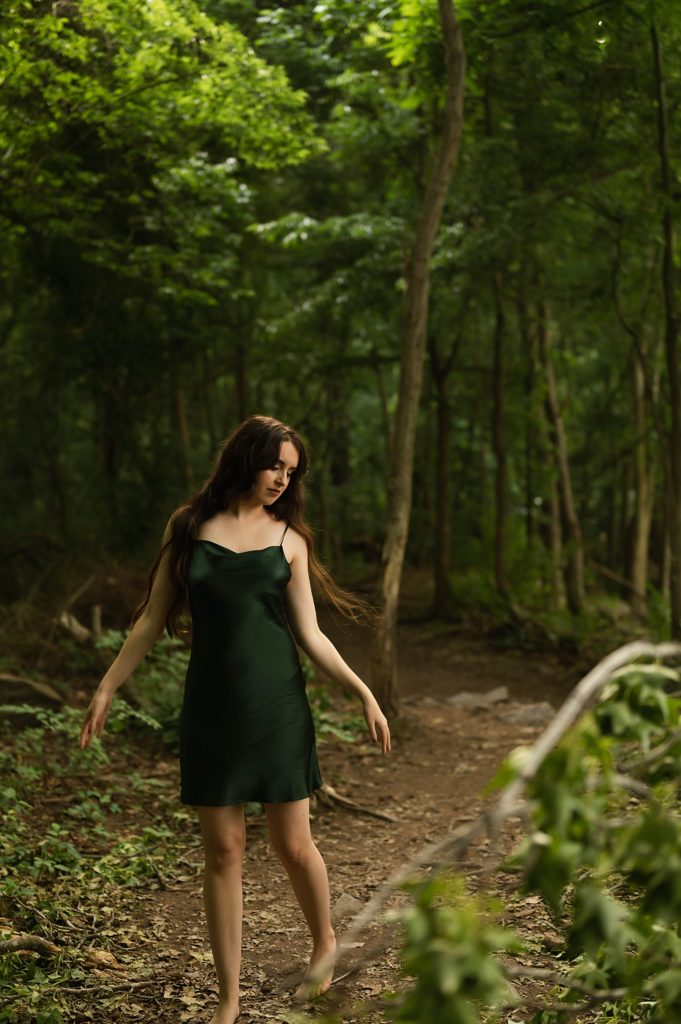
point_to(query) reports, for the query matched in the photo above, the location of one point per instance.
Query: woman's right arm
(139, 641)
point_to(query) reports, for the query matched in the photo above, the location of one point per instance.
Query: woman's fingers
(85, 734)
(93, 725)
(380, 723)
(386, 738)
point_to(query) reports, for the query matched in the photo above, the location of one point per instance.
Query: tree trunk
(538, 445)
(671, 343)
(574, 568)
(643, 508)
(443, 597)
(385, 413)
(556, 528)
(529, 339)
(383, 667)
(623, 518)
(499, 442)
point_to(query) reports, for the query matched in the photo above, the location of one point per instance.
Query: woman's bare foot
(318, 951)
(226, 1013)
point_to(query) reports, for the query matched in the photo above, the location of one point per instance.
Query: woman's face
(272, 482)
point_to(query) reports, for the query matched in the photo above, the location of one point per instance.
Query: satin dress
(246, 728)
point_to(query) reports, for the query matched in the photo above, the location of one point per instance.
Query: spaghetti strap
(283, 535)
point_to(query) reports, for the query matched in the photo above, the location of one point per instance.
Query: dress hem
(260, 799)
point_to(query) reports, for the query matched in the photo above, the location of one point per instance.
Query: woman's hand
(95, 716)
(377, 722)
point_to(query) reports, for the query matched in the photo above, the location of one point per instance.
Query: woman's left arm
(302, 616)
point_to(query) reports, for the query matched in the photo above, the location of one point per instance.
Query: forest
(439, 239)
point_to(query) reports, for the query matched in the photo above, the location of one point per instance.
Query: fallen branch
(574, 984)
(29, 942)
(44, 688)
(70, 623)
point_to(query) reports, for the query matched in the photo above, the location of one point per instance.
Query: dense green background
(205, 211)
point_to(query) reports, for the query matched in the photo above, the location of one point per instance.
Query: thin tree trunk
(498, 390)
(666, 573)
(481, 453)
(643, 508)
(574, 568)
(556, 528)
(385, 413)
(383, 667)
(645, 384)
(499, 442)
(529, 340)
(612, 495)
(671, 342)
(538, 445)
(623, 519)
(443, 597)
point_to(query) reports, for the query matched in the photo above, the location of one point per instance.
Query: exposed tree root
(330, 797)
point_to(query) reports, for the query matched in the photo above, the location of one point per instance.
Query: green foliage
(604, 847)
(56, 874)
(603, 853)
(67, 723)
(159, 682)
(449, 949)
(348, 728)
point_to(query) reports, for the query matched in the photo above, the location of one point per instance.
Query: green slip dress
(246, 728)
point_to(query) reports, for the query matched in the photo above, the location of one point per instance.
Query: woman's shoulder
(294, 538)
(176, 519)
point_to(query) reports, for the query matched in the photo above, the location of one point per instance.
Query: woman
(239, 556)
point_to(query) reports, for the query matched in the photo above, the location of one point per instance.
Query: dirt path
(431, 781)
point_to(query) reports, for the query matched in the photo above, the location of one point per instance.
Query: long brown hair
(250, 447)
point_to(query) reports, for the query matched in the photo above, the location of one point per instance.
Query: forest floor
(432, 781)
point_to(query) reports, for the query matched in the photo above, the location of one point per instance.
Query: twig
(654, 754)
(544, 974)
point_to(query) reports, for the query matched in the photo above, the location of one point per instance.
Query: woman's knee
(223, 830)
(225, 851)
(292, 849)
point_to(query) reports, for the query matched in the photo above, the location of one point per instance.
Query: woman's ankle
(326, 940)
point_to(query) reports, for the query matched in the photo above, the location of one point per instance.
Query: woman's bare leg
(223, 830)
(289, 829)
